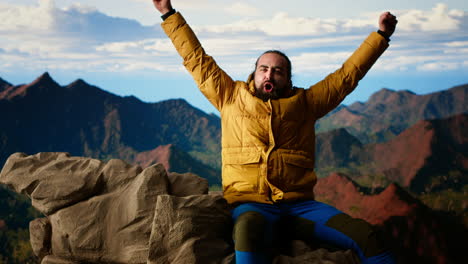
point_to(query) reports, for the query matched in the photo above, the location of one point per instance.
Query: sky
(119, 46)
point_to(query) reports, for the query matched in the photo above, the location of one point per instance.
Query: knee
(249, 232)
(361, 232)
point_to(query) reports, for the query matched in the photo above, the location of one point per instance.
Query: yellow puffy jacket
(268, 147)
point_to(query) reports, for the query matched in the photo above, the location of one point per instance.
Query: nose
(269, 74)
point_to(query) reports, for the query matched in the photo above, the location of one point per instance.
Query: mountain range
(419, 158)
(393, 137)
(387, 113)
(87, 121)
(402, 155)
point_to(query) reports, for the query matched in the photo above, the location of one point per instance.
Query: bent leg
(337, 228)
(252, 234)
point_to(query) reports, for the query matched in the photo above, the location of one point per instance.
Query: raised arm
(212, 81)
(330, 92)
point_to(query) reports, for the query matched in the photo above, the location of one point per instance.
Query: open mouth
(268, 87)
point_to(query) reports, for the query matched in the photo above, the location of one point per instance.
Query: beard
(275, 92)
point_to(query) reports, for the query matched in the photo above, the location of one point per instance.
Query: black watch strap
(168, 14)
(383, 35)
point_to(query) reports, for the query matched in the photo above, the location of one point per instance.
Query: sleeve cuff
(383, 35)
(168, 14)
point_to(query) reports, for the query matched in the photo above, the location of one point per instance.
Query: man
(268, 142)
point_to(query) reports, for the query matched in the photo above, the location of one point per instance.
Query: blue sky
(119, 46)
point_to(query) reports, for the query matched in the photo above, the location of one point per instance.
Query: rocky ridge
(114, 212)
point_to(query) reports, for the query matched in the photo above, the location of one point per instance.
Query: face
(271, 77)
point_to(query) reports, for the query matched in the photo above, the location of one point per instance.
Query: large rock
(114, 212)
(191, 229)
(52, 180)
(114, 227)
(187, 184)
(40, 236)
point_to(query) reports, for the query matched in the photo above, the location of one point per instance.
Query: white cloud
(439, 66)
(457, 44)
(77, 36)
(139, 48)
(81, 36)
(281, 24)
(76, 21)
(438, 19)
(318, 62)
(26, 17)
(242, 9)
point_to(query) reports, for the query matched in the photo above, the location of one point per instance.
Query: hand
(387, 23)
(163, 6)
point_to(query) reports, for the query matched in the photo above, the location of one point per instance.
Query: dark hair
(289, 70)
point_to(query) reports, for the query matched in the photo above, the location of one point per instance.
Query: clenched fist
(387, 23)
(163, 6)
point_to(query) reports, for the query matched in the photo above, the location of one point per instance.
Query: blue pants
(255, 225)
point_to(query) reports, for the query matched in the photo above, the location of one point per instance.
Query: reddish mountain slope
(421, 157)
(160, 154)
(175, 160)
(425, 152)
(340, 191)
(418, 234)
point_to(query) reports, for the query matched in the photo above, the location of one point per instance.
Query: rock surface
(197, 223)
(113, 212)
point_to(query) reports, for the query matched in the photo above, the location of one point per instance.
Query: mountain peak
(79, 82)
(82, 89)
(43, 83)
(381, 94)
(4, 85)
(388, 95)
(45, 78)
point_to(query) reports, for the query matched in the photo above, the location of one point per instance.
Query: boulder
(186, 184)
(53, 180)
(40, 235)
(114, 212)
(193, 229)
(113, 227)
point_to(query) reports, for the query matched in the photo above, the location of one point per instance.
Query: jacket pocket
(298, 160)
(241, 172)
(297, 172)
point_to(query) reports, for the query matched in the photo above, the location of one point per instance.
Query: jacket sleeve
(331, 91)
(213, 82)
